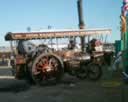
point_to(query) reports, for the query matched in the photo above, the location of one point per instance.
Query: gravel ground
(70, 89)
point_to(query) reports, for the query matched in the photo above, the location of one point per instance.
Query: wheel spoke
(36, 73)
(54, 63)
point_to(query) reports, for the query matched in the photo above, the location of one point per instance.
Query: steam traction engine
(41, 63)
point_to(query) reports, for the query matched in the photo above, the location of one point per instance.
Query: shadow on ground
(13, 85)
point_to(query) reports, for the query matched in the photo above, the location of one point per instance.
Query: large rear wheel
(47, 68)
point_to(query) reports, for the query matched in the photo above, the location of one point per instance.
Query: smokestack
(80, 14)
(81, 22)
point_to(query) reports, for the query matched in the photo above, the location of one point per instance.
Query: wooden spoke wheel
(47, 68)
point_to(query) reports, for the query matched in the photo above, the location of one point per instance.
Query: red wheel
(47, 68)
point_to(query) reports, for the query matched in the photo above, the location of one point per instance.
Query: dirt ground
(71, 89)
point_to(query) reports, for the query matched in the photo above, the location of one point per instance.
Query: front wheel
(94, 71)
(82, 72)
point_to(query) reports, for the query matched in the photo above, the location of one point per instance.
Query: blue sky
(17, 15)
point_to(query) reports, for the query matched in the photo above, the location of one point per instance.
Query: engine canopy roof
(55, 34)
